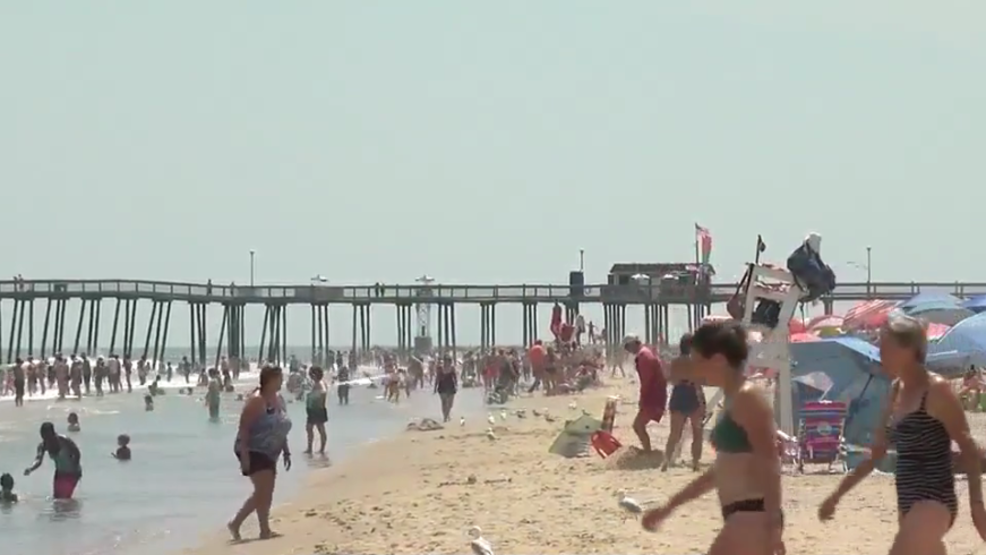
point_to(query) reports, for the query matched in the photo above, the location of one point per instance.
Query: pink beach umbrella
(936, 330)
(868, 314)
(803, 338)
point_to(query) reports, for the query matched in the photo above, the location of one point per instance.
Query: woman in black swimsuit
(924, 417)
(686, 405)
(446, 386)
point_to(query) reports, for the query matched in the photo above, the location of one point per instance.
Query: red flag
(704, 241)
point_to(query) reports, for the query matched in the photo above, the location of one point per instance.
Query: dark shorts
(259, 462)
(317, 416)
(684, 400)
(19, 388)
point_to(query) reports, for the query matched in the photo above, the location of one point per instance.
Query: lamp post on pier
(252, 255)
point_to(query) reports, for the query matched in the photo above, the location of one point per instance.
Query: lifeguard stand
(773, 349)
(771, 283)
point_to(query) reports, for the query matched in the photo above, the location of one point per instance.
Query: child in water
(148, 403)
(123, 448)
(7, 494)
(73, 422)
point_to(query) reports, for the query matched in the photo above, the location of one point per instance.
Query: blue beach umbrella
(940, 312)
(967, 338)
(923, 298)
(975, 304)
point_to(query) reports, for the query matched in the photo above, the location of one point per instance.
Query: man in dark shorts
(653, 388)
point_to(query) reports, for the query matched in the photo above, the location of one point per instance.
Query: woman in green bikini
(746, 473)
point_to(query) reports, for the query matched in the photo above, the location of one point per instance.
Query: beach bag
(736, 306)
(811, 273)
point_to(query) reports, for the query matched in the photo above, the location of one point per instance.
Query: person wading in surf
(67, 458)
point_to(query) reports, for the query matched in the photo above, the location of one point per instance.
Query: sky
(485, 143)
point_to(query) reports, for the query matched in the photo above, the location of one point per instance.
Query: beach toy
(609, 413)
(605, 444)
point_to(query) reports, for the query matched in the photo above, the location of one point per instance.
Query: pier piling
(20, 327)
(130, 330)
(78, 328)
(150, 331)
(30, 328)
(44, 330)
(157, 354)
(320, 334)
(167, 325)
(222, 335)
(261, 356)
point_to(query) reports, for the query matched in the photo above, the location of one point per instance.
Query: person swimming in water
(212, 395)
(148, 402)
(921, 419)
(7, 494)
(315, 409)
(67, 458)
(73, 422)
(122, 452)
(746, 474)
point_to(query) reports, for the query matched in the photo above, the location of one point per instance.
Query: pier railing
(465, 293)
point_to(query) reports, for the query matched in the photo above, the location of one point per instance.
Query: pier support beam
(16, 330)
(234, 334)
(530, 327)
(571, 311)
(92, 335)
(222, 335)
(361, 331)
(275, 322)
(615, 321)
(405, 329)
(487, 327)
(158, 318)
(197, 334)
(320, 335)
(44, 330)
(167, 325)
(116, 322)
(446, 328)
(129, 329)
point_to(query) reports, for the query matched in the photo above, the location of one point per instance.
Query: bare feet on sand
(234, 531)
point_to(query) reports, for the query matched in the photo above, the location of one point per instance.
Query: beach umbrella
(968, 337)
(868, 314)
(940, 312)
(975, 304)
(826, 321)
(936, 331)
(923, 298)
(797, 325)
(815, 380)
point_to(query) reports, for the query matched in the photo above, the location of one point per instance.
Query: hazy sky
(485, 141)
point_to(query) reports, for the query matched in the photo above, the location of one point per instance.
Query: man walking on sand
(653, 388)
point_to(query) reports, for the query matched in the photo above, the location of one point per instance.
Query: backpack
(810, 272)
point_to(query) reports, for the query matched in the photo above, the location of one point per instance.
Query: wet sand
(421, 491)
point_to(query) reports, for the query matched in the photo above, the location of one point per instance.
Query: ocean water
(183, 480)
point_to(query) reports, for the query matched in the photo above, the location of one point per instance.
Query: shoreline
(419, 492)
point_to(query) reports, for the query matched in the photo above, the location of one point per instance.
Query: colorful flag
(703, 240)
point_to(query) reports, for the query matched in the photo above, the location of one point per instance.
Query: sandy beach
(421, 491)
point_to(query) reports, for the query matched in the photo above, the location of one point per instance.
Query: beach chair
(820, 433)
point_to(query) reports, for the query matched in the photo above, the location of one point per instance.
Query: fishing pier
(413, 306)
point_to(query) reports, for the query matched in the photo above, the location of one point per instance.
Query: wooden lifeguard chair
(764, 282)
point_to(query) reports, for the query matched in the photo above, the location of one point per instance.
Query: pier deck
(439, 293)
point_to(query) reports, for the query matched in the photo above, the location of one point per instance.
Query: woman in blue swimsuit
(261, 440)
(687, 405)
(746, 474)
(921, 418)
